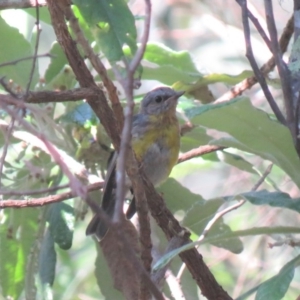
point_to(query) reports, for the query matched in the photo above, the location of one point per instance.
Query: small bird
(155, 141)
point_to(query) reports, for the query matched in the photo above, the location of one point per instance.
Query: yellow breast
(157, 147)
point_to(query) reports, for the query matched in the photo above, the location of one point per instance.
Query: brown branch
(239, 88)
(165, 219)
(192, 258)
(61, 96)
(35, 192)
(46, 200)
(83, 75)
(258, 74)
(16, 61)
(14, 4)
(127, 161)
(259, 28)
(98, 66)
(198, 152)
(283, 70)
(76, 186)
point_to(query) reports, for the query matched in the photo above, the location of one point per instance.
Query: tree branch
(259, 76)
(19, 203)
(14, 4)
(239, 88)
(83, 75)
(283, 71)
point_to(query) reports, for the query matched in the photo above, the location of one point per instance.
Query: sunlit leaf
(11, 43)
(112, 24)
(57, 63)
(15, 245)
(164, 56)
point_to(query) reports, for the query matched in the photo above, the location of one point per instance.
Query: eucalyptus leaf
(274, 199)
(47, 262)
(252, 130)
(61, 224)
(276, 287)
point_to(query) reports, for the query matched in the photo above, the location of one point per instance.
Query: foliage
(44, 252)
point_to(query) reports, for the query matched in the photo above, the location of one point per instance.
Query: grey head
(160, 100)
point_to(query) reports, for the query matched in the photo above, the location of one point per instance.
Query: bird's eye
(158, 99)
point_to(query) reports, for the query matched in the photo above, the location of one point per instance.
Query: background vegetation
(235, 189)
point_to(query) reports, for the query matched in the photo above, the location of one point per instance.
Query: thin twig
(14, 62)
(127, 84)
(258, 27)
(140, 52)
(36, 48)
(5, 147)
(76, 186)
(98, 66)
(257, 72)
(198, 152)
(34, 192)
(36, 202)
(247, 83)
(283, 71)
(123, 163)
(296, 124)
(14, 4)
(223, 212)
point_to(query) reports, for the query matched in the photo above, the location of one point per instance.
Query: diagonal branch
(259, 76)
(283, 71)
(239, 88)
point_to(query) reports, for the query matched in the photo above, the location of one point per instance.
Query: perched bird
(155, 141)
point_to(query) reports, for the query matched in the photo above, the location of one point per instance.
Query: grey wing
(139, 124)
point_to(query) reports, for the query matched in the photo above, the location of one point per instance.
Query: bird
(155, 142)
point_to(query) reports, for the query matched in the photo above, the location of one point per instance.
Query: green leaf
(79, 113)
(15, 245)
(194, 138)
(236, 161)
(14, 46)
(276, 287)
(197, 213)
(252, 131)
(165, 259)
(63, 80)
(225, 78)
(44, 14)
(199, 89)
(57, 63)
(112, 24)
(274, 199)
(168, 74)
(164, 56)
(61, 224)
(47, 263)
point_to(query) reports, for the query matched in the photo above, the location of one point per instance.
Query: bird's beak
(179, 94)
